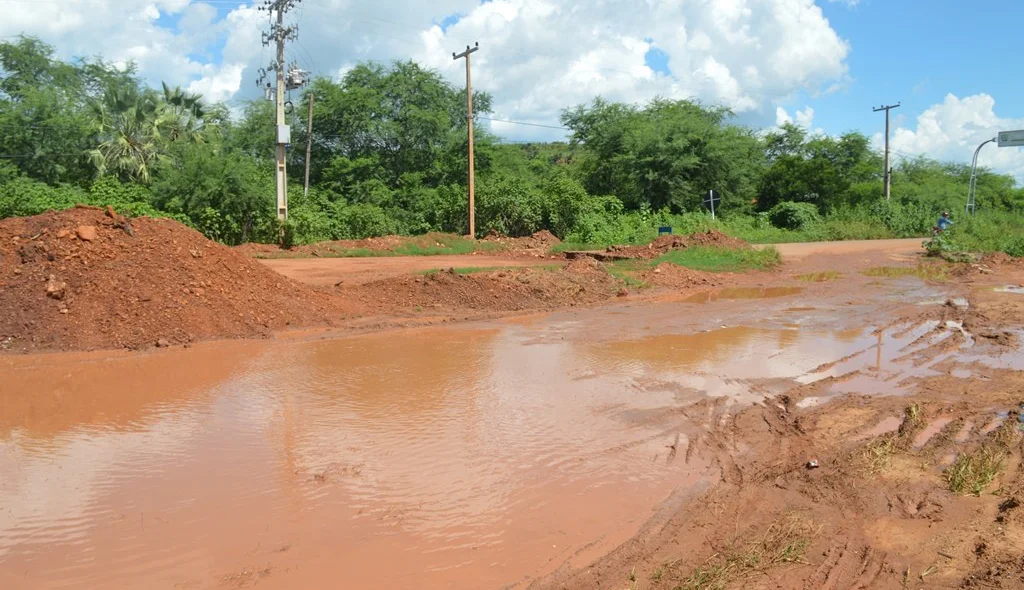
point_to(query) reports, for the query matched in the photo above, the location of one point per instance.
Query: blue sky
(917, 52)
(823, 63)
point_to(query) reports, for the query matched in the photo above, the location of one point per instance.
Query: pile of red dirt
(678, 277)
(581, 282)
(537, 244)
(665, 244)
(86, 278)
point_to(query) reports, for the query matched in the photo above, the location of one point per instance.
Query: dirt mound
(513, 290)
(664, 244)
(678, 277)
(87, 278)
(537, 244)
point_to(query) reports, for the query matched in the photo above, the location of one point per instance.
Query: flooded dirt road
(486, 455)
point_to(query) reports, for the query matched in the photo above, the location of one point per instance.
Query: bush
(1015, 247)
(509, 206)
(359, 221)
(794, 216)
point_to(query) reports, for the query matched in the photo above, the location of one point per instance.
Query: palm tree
(136, 129)
(127, 124)
(182, 115)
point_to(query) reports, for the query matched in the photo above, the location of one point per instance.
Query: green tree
(667, 154)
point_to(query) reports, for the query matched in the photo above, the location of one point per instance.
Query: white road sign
(1011, 138)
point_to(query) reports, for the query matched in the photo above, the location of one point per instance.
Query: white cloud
(953, 129)
(804, 118)
(537, 56)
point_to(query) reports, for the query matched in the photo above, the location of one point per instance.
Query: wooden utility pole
(888, 169)
(469, 124)
(309, 143)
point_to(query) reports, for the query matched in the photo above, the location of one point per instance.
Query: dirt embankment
(581, 282)
(87, 278)
(536, 245)
(665, 244)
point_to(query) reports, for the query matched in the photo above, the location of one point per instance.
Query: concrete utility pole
(888, 170)
(279, 34)
(469, 123)
(309, 143)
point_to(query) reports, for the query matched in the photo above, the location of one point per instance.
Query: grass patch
(972, 472)
(625, 271)
(925, 272)
(469, 270)
(722, 259)
(819, 277)
(877, 455)
(784, 542)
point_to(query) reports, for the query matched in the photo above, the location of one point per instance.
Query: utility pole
(469, 124)
(888, 170)
(309, 143)
(279, 34)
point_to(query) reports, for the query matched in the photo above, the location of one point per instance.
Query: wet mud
(629, 446)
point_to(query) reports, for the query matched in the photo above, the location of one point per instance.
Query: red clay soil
(665, 244)
(87, 278)
(678, 277)
(536, 245)
(581, 282)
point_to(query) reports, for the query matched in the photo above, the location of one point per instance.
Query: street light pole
(972, 188)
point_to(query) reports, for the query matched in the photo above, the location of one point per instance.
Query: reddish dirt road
(349, 271)
(331, 271)
(894, 247)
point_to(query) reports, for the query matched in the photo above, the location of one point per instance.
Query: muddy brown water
(480, 456)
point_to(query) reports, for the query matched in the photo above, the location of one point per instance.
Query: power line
(524, 123)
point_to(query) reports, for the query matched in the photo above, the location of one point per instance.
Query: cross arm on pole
(467, 52)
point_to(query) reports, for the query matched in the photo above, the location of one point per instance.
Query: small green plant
(972, 472)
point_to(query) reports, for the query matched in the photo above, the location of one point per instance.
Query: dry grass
(877, 455)
(972, 472)
(819, 277)
(925, 272)
(784, 542)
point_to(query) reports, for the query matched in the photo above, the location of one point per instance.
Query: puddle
(455, 458)
(965, 432)
(929, 432)
(742, 293)
(889, 424)
(1015, 289)
(469, 457)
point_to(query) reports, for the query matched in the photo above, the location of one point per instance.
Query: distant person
(944, 222)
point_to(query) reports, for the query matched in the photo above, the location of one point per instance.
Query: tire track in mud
(892, 525)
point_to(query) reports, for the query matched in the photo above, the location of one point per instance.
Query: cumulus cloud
(536, 57)
(804, 118)
(953, 129)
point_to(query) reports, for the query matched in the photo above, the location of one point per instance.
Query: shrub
(363, 221)
(509, 206)
(794, 216)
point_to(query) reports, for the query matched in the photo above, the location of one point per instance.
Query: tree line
(388, 156)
